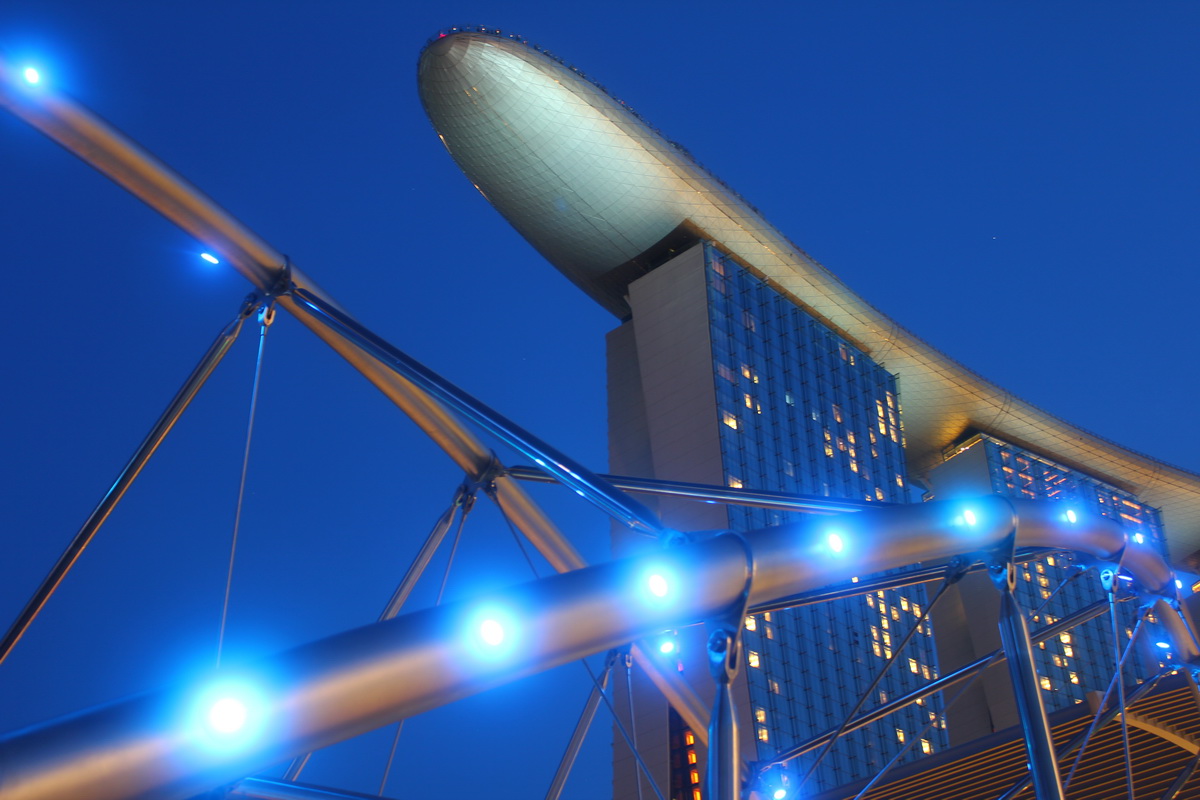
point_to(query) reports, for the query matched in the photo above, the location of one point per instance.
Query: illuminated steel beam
(756, 498)
(336, 688)
(133, 168)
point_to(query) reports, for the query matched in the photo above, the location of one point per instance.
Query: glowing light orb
(1163, 645)
(1178, 584)
(1071, 515)
(491, 631)
(227, 715)
(658, 585)
(667, 647)
(969, 517)
(210, 258)
(1137, 537)
(780, 794)
(835, 542)
(32, 75)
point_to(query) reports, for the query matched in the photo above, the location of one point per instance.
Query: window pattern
(1075, 663)
(805, 411)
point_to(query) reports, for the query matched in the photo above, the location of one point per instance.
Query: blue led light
(210, 258)
(780, 794)
(1072, 516)
(491, 632)
(31, 75)
(658, 586)
(1137, 537)
(228, 715)
(836, 543)
(969, 517)
(667, 647)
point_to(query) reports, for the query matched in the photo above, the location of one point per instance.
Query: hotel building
(740, 361)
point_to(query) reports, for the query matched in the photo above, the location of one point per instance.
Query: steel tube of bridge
(141, 457)
(1039, 741)
(362, 679)
(133, 168)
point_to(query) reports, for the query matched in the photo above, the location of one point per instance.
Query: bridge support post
(1018, 647)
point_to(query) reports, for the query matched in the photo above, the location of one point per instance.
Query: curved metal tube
(339, 687)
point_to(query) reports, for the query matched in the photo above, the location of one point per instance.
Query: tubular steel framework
(358, 680)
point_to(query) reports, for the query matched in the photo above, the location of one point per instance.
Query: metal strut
(1014, 634)
(724, 769)
(174, 410)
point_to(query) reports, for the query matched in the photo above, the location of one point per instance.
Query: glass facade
(1082, 661)
(800, 409)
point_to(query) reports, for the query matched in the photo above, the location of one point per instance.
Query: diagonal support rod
(166, 421)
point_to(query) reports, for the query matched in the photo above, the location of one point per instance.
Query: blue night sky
(1016, 183)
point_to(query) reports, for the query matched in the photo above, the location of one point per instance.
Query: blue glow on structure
(492, 633)
(836, 543)
(228, 715)
(31, 75)
(210, 258)
(658, 585)
(1072, 516)
(969, 517)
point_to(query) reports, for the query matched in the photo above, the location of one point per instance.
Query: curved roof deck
(599, 193)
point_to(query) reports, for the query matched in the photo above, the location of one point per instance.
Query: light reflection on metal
(783, 501)
(362, 679)
(575, 475)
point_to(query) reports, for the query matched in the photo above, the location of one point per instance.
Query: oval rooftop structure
(606, 198)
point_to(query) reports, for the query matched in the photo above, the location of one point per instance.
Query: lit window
(1041, 569)
(925, 671)
(789, 398)
(876, 649)
(760, 715)
(726, 373)
(696, 795)
(887, 638)
(883, 622)
(691, 756)
(689, 738)
(1074, 677)
(695, 776)
(752, 658)
(904, 603)
(1065, 638)
(729, 419)
(770, 632)
(900, 735)
(748, 400)
(926, 747)
(751, 624)
(912, 665)
(895, 613)
(1068, 651)
(1045, 683)
(767, 616)
(1058, 662)
(916, 609)
(878, 493)
(774, 687)
(762, 734)
(899, 480)
(882, 696)
(871, 600)
(837, 412)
